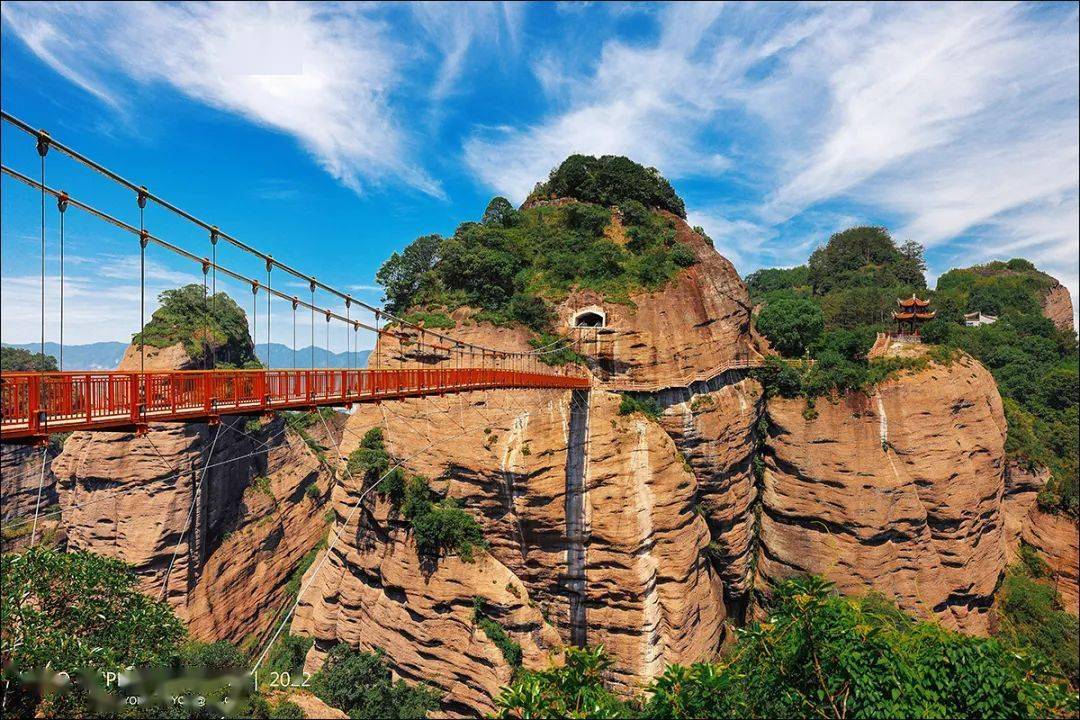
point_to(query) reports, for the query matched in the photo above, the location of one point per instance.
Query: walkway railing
(740, 363)
(36, 404)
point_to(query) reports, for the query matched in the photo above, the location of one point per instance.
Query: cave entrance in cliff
(589, 319)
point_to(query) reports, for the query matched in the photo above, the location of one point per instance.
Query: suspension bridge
(36, 404)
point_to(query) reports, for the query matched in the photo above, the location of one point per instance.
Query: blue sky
(332, 135)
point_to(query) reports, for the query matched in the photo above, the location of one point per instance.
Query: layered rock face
(1056, 538)
(715, 431)
(900, 492)
(221, 512)
(690, 330)
(1057, 305)
(652, 596)
(21, 473)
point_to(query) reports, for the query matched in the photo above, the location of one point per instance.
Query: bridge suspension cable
(144, 195)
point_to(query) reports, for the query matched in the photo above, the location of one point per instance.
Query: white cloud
(321, 73)
(455, 27)
(954, 121)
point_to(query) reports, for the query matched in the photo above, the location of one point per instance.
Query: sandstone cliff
(20, 475)
(224, 506)
(690, 330)
(652, 596)
(900, 492)
(1056, 538)
(1057, 305)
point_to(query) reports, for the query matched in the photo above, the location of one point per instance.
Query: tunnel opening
(589, 319)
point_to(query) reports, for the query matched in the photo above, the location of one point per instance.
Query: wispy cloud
(454, 28)
(323, 74)
(952, 121)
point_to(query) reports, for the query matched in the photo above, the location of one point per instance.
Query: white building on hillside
(977, 318)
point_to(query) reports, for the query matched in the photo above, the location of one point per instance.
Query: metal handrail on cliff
(685, 381)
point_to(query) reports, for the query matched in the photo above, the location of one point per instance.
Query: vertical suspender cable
(37, 506)
(61, 205)
(43, 150)
(378, 341)
(208, 342)
(143, 240)
(254, 314)
(213, 292)
(269, 295)
(295, 302)
(348, 341)
(312, 366)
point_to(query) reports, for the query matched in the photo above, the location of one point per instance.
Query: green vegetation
(557, 351)
(610, 180)
(81, 613)
(439, 525)
(207, 326)
(631, 403)
(20, 360)
(818, 655)
(495, 632)
(515, 264)
(360, 684)
(1033, 619)
(791, 324)
(1034, 363)
(431, 320)
(574, 690)
(854, 281)
(79, 610)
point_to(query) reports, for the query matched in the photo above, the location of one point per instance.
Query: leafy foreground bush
(83, 614)
(818, 655)
(360, 684)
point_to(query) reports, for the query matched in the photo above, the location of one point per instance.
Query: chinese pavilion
(911, 314)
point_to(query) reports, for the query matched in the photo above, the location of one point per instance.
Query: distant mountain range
(107, 355)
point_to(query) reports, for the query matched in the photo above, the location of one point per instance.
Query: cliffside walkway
(36, 404)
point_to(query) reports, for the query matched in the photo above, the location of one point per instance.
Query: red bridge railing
(36, 404)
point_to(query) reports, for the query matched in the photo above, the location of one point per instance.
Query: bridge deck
(36, 404)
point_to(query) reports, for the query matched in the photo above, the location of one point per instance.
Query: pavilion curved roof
(912, 302)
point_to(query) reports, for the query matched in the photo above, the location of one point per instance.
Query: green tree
(19, 360)
(791, 324)
(360, 684)
(574, 690)
(499, 212)
(77, 610)
(611, 180)
(404, 274)
(818, 654)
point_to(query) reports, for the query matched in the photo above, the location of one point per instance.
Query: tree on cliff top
(865, 256)
(611, 180)
(205, 325)
(515, 264)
